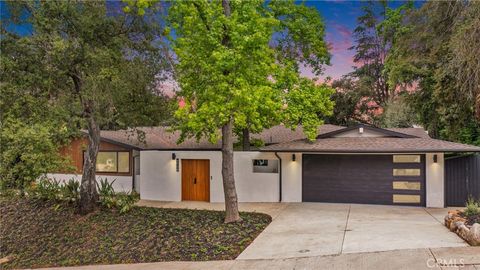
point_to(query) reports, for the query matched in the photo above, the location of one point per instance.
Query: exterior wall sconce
(294, 157)
(174, 156)
(177, 165)
(435, 158)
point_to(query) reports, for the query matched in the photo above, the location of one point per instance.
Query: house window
(265, 166)
(406, 159)
(406, 185)
(406, 172)
(401, 198)
(113, 162)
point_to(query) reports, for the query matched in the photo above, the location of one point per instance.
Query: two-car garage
(368, 179)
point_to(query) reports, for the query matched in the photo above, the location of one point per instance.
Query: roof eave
(381, 130)
(373, 152)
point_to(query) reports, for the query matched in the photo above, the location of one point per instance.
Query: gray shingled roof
(280, 138)
(372, 145)
(162, 138)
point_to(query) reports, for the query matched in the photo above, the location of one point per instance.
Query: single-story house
(358, 164)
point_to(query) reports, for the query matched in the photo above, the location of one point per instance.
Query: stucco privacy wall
(435, 173)
(120, 183)
(291, 177)
(161, 181)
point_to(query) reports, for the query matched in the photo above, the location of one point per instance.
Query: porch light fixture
(294, 157)
(174, 156)
(435, 158)
(177, 165)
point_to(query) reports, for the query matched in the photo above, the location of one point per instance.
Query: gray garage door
(368, 179)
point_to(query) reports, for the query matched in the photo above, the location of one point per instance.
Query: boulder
(473, 237)
(454, 212)
(463, 231)
(456, 224)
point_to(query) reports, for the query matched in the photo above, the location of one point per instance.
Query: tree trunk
(88, 187)
(231, 201)
(246, 139)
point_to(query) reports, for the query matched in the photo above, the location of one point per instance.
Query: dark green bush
(123, 201)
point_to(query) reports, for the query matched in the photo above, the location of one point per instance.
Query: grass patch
(46, 234)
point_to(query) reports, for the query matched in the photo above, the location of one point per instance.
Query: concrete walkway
(467, 258)
(313, 229)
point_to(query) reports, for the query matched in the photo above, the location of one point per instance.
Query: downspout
(279, 177)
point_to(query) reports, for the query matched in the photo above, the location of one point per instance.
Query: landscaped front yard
(41, 234)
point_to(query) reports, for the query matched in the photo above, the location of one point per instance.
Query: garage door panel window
(402, 198)
(404, 185)
(406, 158)
(406, 172)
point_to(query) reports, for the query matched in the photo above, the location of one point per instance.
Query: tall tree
(370, 52)
(96, 61)
(231, 77)
(436, 50)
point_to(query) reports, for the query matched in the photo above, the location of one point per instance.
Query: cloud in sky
(340, 21)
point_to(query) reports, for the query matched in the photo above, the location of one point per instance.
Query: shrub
(105, 188)
(123, 201)
(71, 190)
(28, 151)
(46, 189)
(472, 207)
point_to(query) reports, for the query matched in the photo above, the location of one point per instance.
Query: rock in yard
(463, 231)
(473, 236)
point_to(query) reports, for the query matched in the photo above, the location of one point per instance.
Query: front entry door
(196, 180)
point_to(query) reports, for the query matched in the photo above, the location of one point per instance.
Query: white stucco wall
(120, 184)
(160, 180)
(435, 186)
(291, 177)
(254, 187)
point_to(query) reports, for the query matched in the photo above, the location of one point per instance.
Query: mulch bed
(45, 234)
(471, 219)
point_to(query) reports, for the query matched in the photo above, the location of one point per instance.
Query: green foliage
(307, 105)
(105, 188)
(139, 5)
(28, 151)
(371, 49)
(123, 201)
(70, 190)
(398, 113)
(301, 41)
(46, 189)
(227, 70)
(472, 207)
(444, 69)
(53, 190)
(86, 64)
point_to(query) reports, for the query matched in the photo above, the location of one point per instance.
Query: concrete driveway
(314, 229)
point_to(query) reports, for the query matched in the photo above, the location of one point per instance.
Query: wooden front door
(196, 180)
